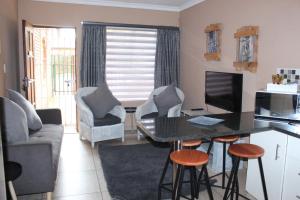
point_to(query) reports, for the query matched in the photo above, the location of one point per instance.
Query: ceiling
(165, 5)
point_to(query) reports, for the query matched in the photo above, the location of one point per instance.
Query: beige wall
(70, 15)
(278, 44)
(8, 44)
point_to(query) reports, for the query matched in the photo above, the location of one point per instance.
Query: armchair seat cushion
(150, 115)
(107, 120)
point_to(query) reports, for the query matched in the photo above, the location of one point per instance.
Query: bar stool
(244, 151)
(189, 159)
(224, 140)
(190, 144)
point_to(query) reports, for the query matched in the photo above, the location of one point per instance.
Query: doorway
(55, 72)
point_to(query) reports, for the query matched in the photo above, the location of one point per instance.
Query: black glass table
(163, 129)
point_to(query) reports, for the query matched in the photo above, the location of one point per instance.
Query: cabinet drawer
(292, 180)
(293, 148)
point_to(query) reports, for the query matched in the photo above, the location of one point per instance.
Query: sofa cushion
(33, 120)
(50, 133)
(150, 115)
(166, 100)
(15, 121)
(107, 120)
(101, 101)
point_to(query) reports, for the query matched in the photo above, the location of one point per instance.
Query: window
(130, 60)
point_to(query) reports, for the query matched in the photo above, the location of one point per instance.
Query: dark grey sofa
(39, 155)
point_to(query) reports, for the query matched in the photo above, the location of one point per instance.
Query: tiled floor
(80, 175)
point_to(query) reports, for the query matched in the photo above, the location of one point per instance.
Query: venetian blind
(130, 60)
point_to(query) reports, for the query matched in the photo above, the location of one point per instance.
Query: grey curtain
(167, 61)
(93, 55)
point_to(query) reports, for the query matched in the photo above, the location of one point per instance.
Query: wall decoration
(213, 42)
(246, 56)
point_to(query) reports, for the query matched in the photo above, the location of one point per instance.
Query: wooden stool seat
(191, 143)
(227, 139)
(246, 151)
(187, 157)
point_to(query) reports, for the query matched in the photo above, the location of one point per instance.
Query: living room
(80, 170)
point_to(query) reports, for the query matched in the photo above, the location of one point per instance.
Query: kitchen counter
(292, 129)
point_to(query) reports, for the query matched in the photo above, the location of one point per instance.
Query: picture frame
(246, 54)
(213, 42)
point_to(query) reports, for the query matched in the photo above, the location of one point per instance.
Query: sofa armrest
(38, 174)
(50, 116)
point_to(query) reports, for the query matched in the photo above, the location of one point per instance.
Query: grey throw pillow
(101, 101)
(33, 120)
(166, 100)
(15, 122)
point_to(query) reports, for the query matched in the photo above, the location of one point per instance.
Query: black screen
(224, 90)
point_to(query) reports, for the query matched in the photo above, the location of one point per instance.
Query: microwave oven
(285, 106)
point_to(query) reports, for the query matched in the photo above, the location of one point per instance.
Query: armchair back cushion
(33, 120)
(101, 101)
(166, 100)
(15, 123)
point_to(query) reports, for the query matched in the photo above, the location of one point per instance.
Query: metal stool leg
(201, 172)
(164, 173)
(195, 182)
(207, 183)
(234, 187)
(175, 191)
(192, 183)
(224, 165)
(237, 193)
(231, 177)
(262, 178)
(181, 175)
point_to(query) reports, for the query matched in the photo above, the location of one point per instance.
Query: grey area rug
(132, 172)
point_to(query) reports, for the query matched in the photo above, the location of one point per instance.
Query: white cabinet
(275, 145)
(291, 188)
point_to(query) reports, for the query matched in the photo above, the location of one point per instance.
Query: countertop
(163, 129)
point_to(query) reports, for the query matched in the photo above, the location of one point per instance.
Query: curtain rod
(130, 25)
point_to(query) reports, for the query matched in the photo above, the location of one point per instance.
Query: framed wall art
(246, 55)
(213, 42)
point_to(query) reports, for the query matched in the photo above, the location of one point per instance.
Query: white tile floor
(80, 175)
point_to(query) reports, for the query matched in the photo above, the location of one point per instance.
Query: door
(28, 51)
(55, 76)
(274, 144)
